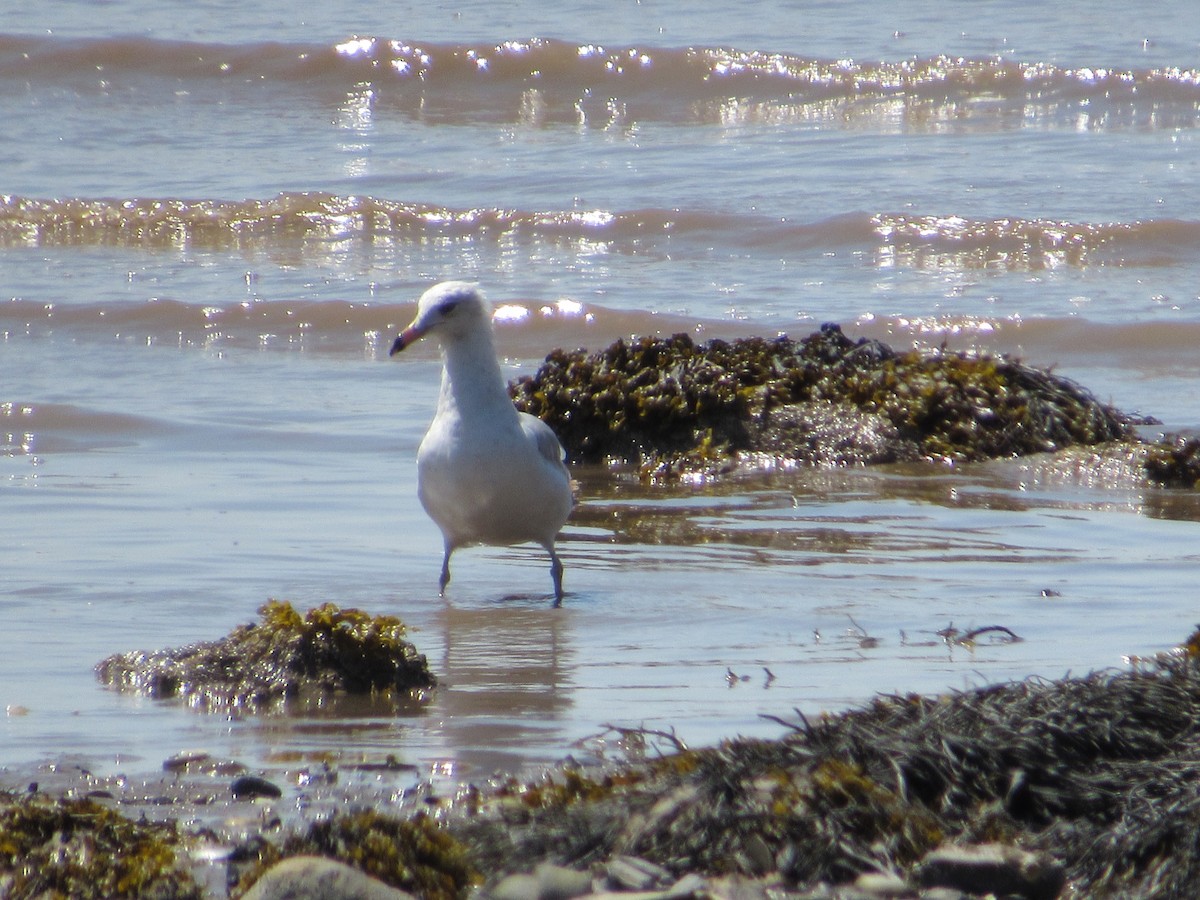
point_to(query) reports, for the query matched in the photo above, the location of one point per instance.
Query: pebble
(515, 887)
(548, 882)
(182, 760)
(882, 884)
(247, 787)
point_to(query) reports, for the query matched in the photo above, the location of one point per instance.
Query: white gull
(486, 473)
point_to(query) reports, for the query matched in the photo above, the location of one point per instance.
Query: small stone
(248, 787)
(317, 878)
(882, 884)
(516, 887)
(757, 856)
(181, 761)
(561, 883)
(993, 869)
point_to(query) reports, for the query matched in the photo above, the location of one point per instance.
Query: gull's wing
(545, 439)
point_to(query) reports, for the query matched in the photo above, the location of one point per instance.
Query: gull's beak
(408, 336)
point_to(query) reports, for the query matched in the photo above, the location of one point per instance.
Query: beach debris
(675, 408)
(860, 634)
(1000, 634)
(284, 656)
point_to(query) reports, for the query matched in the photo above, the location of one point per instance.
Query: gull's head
(451, 310)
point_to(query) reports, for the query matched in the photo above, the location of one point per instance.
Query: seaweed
(413, 854)
(1174, 461)
(1092, 779)
(80, 848)
(285, 655)
(670, 406)
(1096, 774)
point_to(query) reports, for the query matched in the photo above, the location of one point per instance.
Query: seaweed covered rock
(285, 655)
(671, 405)
(80, 848)
(415, 855)
(1174, 461)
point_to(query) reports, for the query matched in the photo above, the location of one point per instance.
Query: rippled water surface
(212, 224)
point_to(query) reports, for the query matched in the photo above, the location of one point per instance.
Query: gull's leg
(556, 573)
(445, 576)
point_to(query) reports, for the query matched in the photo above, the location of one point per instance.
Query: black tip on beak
(397, 346)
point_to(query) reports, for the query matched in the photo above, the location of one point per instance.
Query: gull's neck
(472, 383)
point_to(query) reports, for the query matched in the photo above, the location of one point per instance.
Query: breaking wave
(316, 220)
(545, 80)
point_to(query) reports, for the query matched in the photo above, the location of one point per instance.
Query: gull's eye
(447, 307)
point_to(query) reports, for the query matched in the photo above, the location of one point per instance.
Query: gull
(486, 473)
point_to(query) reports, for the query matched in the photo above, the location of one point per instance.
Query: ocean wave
(551, 80)
(312, 222)
(305, 216)
(1031, 244)
(525, 327)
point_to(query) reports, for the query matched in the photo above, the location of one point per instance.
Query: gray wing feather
(546, 440)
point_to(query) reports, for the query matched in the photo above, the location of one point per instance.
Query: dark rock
(249, 787)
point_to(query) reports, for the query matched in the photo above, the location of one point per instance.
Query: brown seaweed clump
(1174, 461)
(414, 855)
(1097, 775)
(286, 655)
(671, 405)
(80, 848)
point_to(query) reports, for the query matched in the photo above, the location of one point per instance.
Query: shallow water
(212, 227)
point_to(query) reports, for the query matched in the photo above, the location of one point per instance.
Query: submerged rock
(286, 655)
(671, 406)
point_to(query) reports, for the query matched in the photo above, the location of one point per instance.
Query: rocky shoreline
(1031, 789)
